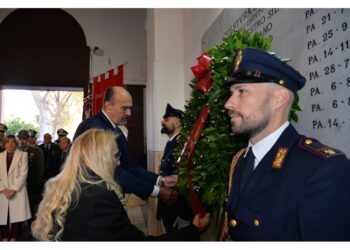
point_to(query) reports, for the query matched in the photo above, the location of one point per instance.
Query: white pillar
(165, 83)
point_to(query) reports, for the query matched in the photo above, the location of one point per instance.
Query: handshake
(166, 193)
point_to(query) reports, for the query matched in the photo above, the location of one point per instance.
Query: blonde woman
(14, 203)
(85, 203)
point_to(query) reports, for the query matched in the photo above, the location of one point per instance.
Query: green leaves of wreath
(216, 147)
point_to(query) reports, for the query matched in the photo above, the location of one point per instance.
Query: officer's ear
(177, 122)
(281, 97)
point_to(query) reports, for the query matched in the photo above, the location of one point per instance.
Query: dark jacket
(165, 212)
(100, 216)
(35, 176)
(51, 160)
(63, 157)
(305, 198)
(131, 178)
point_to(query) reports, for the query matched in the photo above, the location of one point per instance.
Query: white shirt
(263, 146)
(114, 126)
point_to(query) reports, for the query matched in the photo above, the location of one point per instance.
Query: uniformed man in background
(32, 138)
(178, 214)
(283, 185)
(3, 129)
(61, 133)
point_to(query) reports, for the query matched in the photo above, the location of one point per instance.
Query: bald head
(117, 105)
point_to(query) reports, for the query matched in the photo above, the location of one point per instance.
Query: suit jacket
(51, 159)
(305, 198)
(63, 157)
(100, 216)
(131, 178)
(14, 179)
(181, 208)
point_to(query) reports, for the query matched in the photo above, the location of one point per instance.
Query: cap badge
(238, 60)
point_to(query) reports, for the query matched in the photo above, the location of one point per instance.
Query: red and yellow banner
(101, 83)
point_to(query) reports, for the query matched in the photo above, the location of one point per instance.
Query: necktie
(248, 168)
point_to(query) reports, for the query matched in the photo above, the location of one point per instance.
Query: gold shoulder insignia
(279, 158)
(318, 148)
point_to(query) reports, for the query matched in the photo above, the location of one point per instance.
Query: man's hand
(201, 222)
(167, 195)
(171, 180)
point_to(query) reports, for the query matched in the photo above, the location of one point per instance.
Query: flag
(100, 84)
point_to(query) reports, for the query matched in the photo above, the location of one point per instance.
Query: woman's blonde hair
(96, 151)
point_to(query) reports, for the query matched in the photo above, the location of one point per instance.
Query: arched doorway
(43, 48)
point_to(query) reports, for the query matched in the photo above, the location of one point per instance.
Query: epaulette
(317, 148)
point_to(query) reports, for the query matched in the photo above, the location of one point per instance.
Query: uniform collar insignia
(279, 158)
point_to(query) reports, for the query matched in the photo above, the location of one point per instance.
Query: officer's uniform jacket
(167, 167)
(35, 176)
(299, 191)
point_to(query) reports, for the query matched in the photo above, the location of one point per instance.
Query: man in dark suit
(116, 110)
(52, 155)
(171, 214)
(35, 172)
(283, 186)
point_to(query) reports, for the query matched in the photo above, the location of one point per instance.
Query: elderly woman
(14, 203)
(84, 202)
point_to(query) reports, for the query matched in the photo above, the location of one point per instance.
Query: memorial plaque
(317, 42)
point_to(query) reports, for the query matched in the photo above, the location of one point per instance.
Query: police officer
(3, 129)
(35, 171)
(61, 133)
(283, 185)
(178, 214)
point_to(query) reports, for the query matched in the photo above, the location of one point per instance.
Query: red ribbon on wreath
(201, 72)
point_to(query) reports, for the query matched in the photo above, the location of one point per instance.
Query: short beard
(250, 129)
(167, 131)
